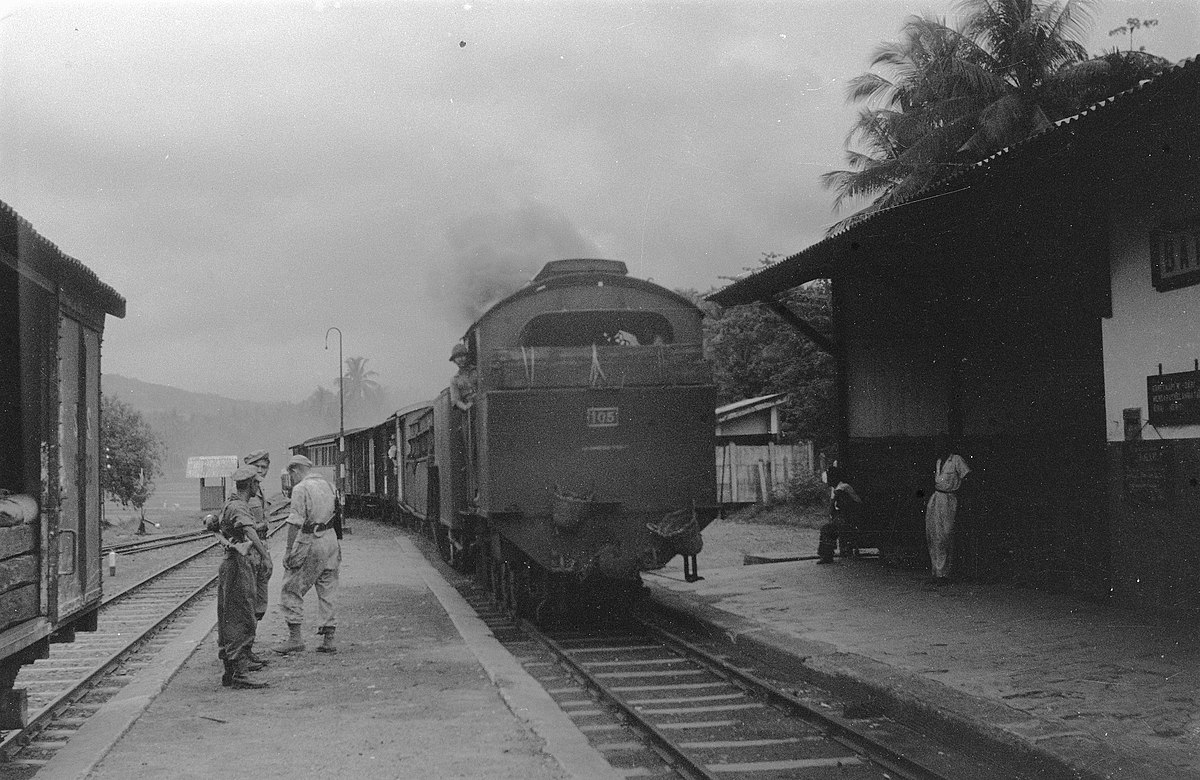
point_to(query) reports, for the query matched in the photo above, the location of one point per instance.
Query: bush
(803, 489)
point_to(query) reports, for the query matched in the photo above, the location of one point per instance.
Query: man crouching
(236, 623)
(313, 556)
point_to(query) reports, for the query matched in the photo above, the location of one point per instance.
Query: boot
(294, 643)
(227, 678)
(255, 659)
(240, 678)
(327, 641)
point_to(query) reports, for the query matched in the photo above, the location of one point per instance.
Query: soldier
(235, 587)
(313, 556)
(462, 386)
(260, 460)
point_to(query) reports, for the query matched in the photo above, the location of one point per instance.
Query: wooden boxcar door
(68, 558)
(93, 496)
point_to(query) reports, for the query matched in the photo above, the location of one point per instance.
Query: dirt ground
(776, 529)
(121, 526)
(403, 697)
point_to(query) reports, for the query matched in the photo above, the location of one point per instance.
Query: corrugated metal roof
(66, 270)
(211, 466)
(820, 259)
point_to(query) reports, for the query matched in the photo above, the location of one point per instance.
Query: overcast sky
(247, 175)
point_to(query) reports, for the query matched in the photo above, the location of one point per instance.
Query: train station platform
(1085, 690)
(418, 688)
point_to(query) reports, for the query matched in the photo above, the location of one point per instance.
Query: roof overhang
(1063, 142)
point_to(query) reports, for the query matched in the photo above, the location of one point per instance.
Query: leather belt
(314, 528)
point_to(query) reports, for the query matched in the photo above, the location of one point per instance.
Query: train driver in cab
(462, 386)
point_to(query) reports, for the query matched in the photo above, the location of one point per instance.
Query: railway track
(657, 704)
(156, 542)
(79, 677)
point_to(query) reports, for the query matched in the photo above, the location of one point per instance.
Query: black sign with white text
(1174, 399)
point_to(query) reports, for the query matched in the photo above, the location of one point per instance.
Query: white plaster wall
(1148, 327)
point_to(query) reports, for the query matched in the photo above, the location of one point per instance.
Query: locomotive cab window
(585, 328)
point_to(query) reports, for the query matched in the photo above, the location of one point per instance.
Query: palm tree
(955, 96)
(916, 120)
(358, 385)
(322, 403)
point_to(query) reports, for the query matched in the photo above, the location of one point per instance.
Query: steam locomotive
(573, 450)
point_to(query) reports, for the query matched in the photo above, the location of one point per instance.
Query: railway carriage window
(585, 328)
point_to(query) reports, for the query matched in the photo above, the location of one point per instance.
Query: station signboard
(1174, 399)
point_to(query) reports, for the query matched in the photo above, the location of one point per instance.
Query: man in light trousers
(313, 556)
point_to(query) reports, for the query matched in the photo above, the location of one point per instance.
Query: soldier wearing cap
(313, 556)
(260, 461)
(236, 624)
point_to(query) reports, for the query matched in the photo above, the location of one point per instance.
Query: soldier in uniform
(236, 625)
(260, 461)
(313, 556)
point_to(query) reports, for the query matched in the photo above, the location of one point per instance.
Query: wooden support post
(734, 493)
(14, 709)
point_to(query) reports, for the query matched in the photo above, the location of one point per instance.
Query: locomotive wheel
(504, 588)
(483, 562)
(495, 584)
(516, 590)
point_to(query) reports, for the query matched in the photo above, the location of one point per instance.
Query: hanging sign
(1174, 399)
(1175, 256)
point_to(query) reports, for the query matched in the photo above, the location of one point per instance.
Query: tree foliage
(364, 396)
(753, 352)
(133, 453)
(942, 98)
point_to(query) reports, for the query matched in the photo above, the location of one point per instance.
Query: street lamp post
(341, 480)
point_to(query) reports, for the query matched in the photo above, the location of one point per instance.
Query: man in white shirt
(313, 556)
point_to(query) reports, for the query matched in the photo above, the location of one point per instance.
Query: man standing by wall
(940, 512)
(313, 556)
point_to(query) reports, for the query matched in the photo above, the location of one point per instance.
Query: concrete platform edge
(92, 742)
(522, 694)
(904, 696)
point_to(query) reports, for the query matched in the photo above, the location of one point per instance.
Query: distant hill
(148, 397)
(207, 424)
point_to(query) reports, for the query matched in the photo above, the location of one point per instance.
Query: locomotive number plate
(602, 417)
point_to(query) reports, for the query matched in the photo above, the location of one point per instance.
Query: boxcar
(52, 312)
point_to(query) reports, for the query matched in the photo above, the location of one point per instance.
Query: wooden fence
(753, 473)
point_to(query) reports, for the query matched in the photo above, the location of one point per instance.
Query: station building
(1043, 308)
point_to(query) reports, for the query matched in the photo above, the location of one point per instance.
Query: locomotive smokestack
(495, 254)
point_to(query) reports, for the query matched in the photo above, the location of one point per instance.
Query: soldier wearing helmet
(462, 387)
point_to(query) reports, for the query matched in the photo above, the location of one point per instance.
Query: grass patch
(788, 514)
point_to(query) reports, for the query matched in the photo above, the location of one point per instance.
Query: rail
(177, 586)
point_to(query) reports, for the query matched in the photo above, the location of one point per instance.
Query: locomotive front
(590, 436)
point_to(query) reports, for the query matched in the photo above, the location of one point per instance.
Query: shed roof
(1072, 134)
(749, 406)
(211, 466)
